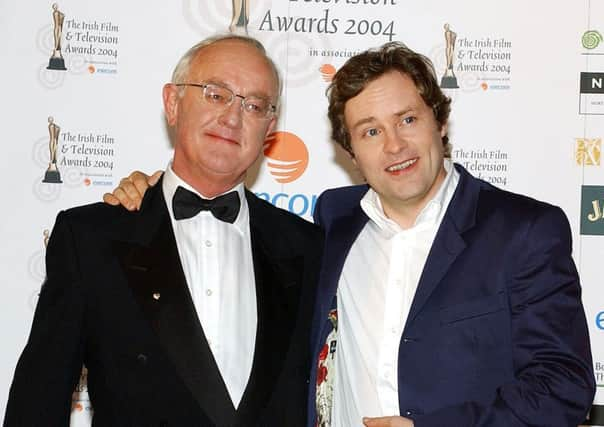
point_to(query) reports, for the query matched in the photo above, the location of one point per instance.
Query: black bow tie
(187, 204)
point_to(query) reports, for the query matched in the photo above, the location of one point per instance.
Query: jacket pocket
(475, 308)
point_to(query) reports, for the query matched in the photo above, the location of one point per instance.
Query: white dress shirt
(217, 261)
(375, 292)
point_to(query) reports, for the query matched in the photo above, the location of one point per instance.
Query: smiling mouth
(223, 138)
(402, 166)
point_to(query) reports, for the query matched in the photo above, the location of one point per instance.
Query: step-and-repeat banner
(81, 107)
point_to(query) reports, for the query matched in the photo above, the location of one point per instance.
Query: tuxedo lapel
(449, 241)
(152, 266)
(279, 278)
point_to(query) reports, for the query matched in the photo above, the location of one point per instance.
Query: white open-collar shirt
(375, 292)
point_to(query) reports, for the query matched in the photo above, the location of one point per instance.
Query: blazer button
(142, 359)
(408, 413)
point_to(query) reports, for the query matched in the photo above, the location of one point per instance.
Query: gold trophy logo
(52, 174)
(241, 17)
(56, 61)
(449, 81)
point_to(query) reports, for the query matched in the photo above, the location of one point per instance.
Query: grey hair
(181, 70)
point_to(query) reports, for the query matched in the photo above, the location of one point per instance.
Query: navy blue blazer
(496, 334)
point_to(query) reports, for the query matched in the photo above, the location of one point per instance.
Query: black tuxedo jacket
(115, 299)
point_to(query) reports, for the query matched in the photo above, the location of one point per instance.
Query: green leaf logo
(591, 39)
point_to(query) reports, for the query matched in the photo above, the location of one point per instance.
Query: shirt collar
(171, 182)
(429, 215)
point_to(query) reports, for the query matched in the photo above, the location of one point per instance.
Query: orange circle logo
(287, 156)
(327, 72)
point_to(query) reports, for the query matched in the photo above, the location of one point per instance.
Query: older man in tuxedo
(195, 310)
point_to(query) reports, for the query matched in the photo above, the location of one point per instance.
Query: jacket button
(408, 413)
(142, 359)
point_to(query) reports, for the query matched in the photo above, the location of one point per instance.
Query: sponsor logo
(73, 159)
(79, 46)
(327, 72)
(449, 80)
(480, 62)
(591, 39)
(592, 82)
(299, 204)
(287, 160)
(80, 401)
(287, 156)
(52, 174)
(591, 93)
(595, 416)
(592, 211)
(489, 165)
(600, 326)
(56, 61)
(240, 17)
(588, 151)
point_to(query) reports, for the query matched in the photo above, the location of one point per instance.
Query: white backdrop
(521, 117)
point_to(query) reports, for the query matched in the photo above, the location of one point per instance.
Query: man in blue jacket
(443, 301)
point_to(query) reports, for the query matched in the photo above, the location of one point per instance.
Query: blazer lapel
(342, 234)
(152, 266)
(449, 242)
(338, 241)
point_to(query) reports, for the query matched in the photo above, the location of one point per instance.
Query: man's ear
(271, 127)
(171, 97)
(352, 157)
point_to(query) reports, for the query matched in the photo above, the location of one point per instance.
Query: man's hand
(131, 190)
(387, 422)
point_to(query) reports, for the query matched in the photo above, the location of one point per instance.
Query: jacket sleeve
(318, 212)
(51, 362)
(554, 381)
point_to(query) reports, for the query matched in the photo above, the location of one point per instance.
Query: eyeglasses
(222, 97)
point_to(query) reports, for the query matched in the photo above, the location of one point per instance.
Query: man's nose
(394, 142)
(232, 115)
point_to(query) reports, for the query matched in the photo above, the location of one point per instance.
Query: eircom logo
(287, 156)
(600, 320)
(287, 160)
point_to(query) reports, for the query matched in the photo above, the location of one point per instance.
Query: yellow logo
(588, 151)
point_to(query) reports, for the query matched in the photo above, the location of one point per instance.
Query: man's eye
(372, 132)
(216, 97)
(408, 120)
(253, 106)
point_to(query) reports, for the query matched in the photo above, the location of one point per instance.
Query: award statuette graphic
(241, 17)
(52, 174)
(56, 60)
(449, 81)
(46, 234)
